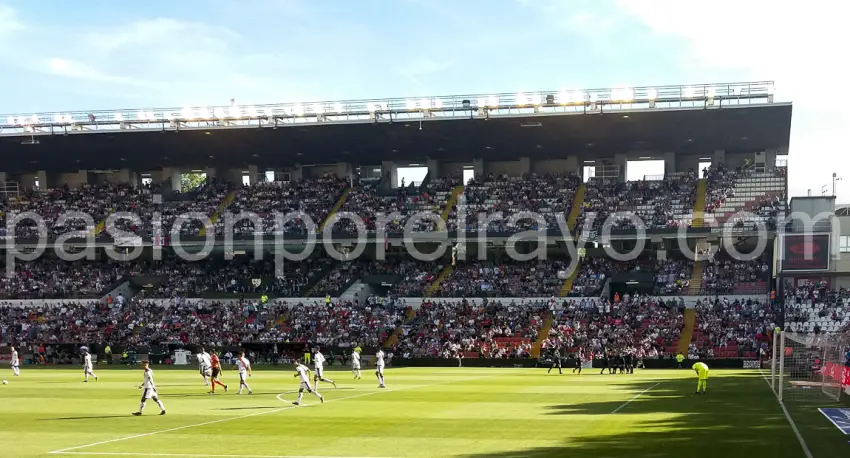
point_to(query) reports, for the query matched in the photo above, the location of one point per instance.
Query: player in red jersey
(216, 372)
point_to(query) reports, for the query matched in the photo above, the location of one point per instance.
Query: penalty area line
(623, 405)
(71, 450)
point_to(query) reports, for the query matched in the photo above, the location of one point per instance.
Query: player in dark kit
(628, 361)
(556, 362)
(605, 362)
(578, 358)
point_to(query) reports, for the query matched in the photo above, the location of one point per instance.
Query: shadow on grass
(93, 417)
(249, 408)
(739, 417)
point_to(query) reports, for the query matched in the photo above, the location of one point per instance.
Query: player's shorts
(305, 387)
(206, 371)
(355, 366)
(216, 371)
(320, 371)
(578, 364)
(380, 369)
(87, 370)
(148, 394)
(243, 376)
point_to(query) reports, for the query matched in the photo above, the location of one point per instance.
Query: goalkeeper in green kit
(702, 372)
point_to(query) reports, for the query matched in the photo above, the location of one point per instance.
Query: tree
(190, 181)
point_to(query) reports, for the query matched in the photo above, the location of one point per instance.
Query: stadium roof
(684, 120)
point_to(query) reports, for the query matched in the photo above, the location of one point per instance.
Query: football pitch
(423, 412)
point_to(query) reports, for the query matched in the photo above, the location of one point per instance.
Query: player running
(216, 373)
(355, 364)
(205, 365)
(304, 372)
(87, 366)
(379, 367)
(150, 390)
(16, 363)
(243, 366)
(702, 372)
(319, 366)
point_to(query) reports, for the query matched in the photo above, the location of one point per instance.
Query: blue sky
(60, 55)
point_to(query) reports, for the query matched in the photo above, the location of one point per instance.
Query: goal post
(811, 367)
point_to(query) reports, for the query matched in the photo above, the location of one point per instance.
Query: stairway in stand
(447, 210)
(399, 330)
(339, 203)
(228, 199)
(567, 287)
(698, 217)
(687, 330)
(695, 285)
(578, 202)
(542, 336)
(436, 284)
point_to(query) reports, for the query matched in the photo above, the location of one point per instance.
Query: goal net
(809, 367)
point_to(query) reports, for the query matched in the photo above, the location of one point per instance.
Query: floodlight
(298, 109)
(218, 112)
(410, 104)
(438, 103)
(689, 92)
(423, 103)
(652, 94)
(536, 99)
(118, 116)
(339, 108)
(493, 101)
(622, 95)
(318, 108)
(520, 99)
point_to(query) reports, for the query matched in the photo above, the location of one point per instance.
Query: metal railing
(454, 106)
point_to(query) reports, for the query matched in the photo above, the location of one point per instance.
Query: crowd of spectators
(505, 279)
(47, 278)
(649, 325)
(723, 275)
(655, 202)
(415, 276)
(313, 196)
(815, 307)
(344, 324)
(417, 207)
(731, 327)
(550, 196)
(488, 328)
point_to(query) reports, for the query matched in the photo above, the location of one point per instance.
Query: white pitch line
(634, 398)
(257, 414)
(208, 455)
(793, 425)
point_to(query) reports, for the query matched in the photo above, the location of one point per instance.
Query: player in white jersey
(243, 366)
(205, 366)
(319, 366)
(379, 367)
(456, 354)
(355, 364)
(149, 390)
(87, 366)
(303, 372)
(16, 363)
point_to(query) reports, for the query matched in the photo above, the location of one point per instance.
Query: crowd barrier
(734, 363)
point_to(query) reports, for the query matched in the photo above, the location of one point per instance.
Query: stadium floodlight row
(540, 103)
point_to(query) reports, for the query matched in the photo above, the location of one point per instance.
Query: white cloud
(9, 22)
(78, 70)
(797, 44)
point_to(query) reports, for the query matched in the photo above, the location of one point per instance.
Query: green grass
(424, 412)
